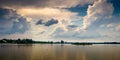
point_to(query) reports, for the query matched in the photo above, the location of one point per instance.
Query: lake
(59, 52)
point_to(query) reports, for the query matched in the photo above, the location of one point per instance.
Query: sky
(69, 20)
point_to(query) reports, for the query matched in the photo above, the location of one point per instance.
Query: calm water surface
(59, 52)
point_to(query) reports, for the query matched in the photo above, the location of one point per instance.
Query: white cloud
(99, 10)
(46, 10)
(63, 16)
(47, 13)
(54, 9)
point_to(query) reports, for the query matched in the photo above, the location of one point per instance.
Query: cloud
(52, 19)
(44, 3)
(63, 16)
(39, 22)
(48, 23)
(21, 26)
(73, 35)
(98, 11)
(72, 26)
(44, 10)
(11, 22)
(47, 13)
(51, 22)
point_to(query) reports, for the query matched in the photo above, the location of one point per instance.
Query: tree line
(16, 41)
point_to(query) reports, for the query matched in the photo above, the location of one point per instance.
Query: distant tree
(62, 41)
(18, 41)
(3, 41)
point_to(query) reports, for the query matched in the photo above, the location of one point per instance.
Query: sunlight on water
(59, 52)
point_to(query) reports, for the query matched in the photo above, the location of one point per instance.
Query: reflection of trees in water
(24, 45)
(15, 45)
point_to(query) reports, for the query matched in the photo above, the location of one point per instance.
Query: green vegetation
(30, 41)
(81, 43)
(18, 41)
(44, 42)
(91, 43)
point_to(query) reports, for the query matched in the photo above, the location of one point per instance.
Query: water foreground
(59, 52)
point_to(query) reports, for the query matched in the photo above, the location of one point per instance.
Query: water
(59, 52)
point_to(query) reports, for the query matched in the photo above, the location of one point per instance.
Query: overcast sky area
(69, 20)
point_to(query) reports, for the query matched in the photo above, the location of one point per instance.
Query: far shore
(30, 41)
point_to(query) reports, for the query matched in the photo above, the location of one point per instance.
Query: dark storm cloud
(48, 23)
(11, 22)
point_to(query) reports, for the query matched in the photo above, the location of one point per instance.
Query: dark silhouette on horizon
(30, 41)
